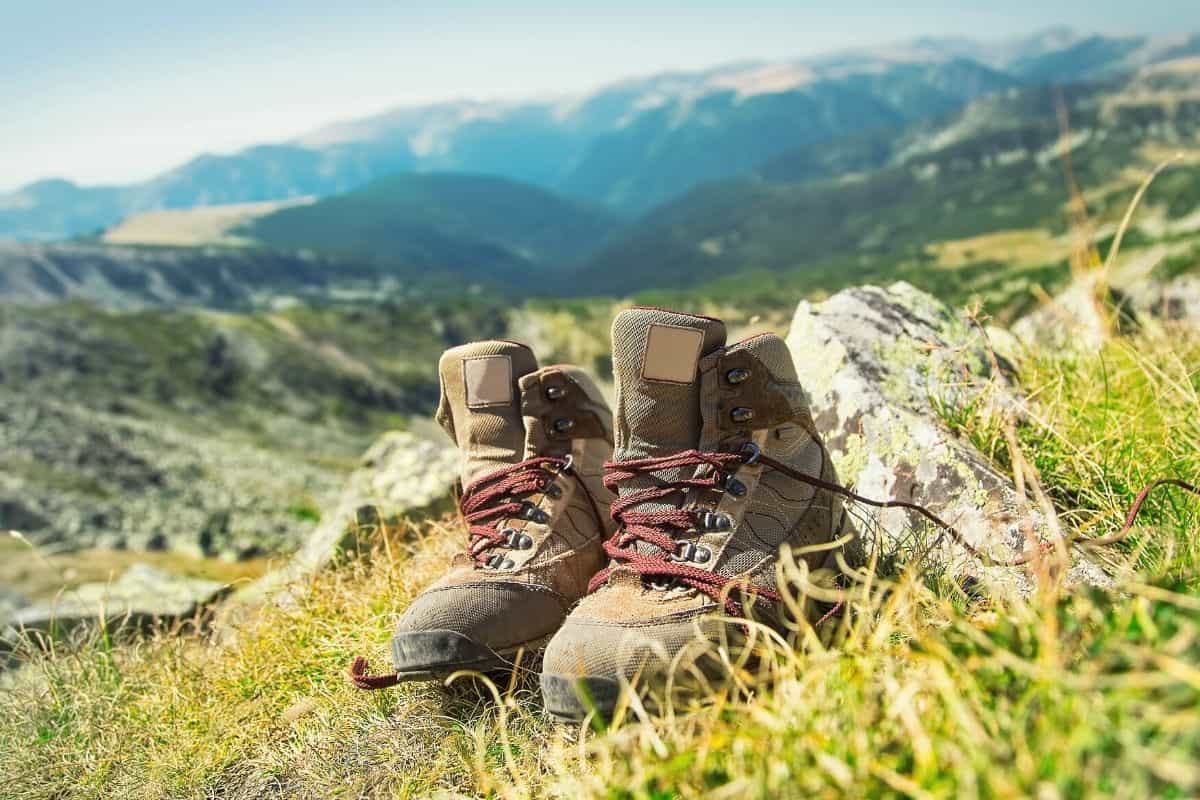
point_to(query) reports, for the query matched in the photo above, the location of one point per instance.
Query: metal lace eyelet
(751, 451)
(533, 513)
(516, 540)
(556, 392)
(690, 551)
(564, 425)
(741, 414)
(729, 484)
(712, 521)
(737, 375)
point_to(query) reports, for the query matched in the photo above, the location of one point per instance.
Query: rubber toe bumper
(573, 697)
(424, 654)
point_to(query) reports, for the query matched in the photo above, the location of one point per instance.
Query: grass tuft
(914, 692)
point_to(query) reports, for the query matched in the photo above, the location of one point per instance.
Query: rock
(1086, 315)
(74, 478)
(878, 365)
(141, 596)
(10, 603)
(1175, 301)
(400, 473)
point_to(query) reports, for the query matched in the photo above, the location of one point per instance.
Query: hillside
(189, 227)
(219, 277)
(746, 118)
(888, 204)
(479, 227)
(920, 688)
(202, 432)
(630, 145)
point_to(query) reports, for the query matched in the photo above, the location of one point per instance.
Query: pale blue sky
(115, 91)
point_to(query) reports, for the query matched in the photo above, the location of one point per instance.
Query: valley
(192, 367)
(222, 483)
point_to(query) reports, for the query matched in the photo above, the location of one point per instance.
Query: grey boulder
(141, 596)
(400, 473)
(883, 367)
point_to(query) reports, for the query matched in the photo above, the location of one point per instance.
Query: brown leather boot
(533, 442)
(702, 517)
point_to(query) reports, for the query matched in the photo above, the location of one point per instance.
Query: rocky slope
(883, 205)
(215, 434)
(235, 278)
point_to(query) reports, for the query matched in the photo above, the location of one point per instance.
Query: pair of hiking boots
(617, 542)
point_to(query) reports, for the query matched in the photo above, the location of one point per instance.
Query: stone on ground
(400, 473)
(1174, 301)
(882, 368)
(142, 595)
(1086, 314)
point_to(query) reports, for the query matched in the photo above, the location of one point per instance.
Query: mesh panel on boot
(490, 435)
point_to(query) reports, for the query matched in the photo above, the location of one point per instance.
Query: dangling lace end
(830, 614)
(359, 676)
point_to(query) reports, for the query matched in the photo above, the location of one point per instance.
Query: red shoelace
(654, 527)
(496, 497)
(657, 527)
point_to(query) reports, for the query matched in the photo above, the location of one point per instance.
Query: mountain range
(876, 205)
(627, 147)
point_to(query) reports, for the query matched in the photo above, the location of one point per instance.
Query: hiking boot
(704, 436)
(534, 442)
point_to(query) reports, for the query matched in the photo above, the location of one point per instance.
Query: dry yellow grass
(205, 225)
(919, 691)
(1023, 248)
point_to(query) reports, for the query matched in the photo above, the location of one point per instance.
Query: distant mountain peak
(630, 145)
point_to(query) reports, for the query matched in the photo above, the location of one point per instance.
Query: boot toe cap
(472, 626)
(588, 661)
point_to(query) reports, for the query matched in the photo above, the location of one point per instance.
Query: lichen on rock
(883, 368)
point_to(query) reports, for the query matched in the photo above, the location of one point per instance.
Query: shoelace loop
(654, 527)
(496, 496)
(657, 527)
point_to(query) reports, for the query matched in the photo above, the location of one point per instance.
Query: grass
(918, 691)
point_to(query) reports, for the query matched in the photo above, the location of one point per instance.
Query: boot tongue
(480, 407)
(656, 355)
(655, 358)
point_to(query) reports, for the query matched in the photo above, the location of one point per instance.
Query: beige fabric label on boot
(488, 381)
(672, 353)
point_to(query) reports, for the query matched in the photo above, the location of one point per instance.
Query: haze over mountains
(628, 147)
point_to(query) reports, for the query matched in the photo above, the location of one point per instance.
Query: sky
(115, 91)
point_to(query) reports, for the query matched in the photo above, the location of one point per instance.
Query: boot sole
(430, 655)
(573, 697)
